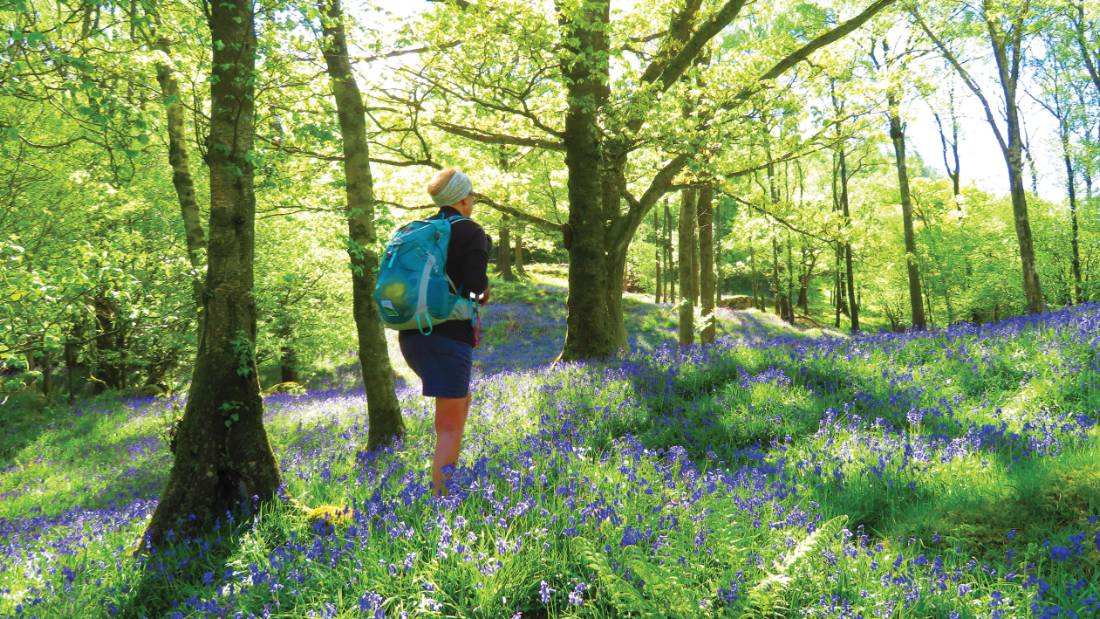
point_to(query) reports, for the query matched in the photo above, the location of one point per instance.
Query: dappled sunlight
(632, 472)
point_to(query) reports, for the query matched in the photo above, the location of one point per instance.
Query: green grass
(769, 476)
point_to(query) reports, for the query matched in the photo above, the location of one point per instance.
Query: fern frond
(766, 596)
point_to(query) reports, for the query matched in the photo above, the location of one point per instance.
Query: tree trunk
(1071, 192)
(696, 265)
(717, 242)
(46, 367)
(504, 251)
(72, 357)
(657, 257)
(809, 261)
(518, 258)
(897, 136)
(788, 310)
(776, 288)
(850, 283)
(757, 302)
(670, 264)
(590, 332)
(780, 298)
(108, 357)
(686, 243)
(1032, 291)
(706, 262)
(222, 456)
(288, 364)
(383, 410)
(181, 169)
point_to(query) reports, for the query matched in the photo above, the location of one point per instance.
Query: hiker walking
(435, 310)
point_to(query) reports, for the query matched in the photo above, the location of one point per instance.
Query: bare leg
(450, 421)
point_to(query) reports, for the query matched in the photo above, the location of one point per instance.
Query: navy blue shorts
(442, 363)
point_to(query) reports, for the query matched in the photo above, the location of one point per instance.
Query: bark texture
(686, 243)
(706, 262)
(182, 180)
(897, 136)
(849, 274)
(504, 251)
(589, 329)
(383, 410)
(518, 259)
(222, 456)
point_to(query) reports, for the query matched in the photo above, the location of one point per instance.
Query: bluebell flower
(545, 591)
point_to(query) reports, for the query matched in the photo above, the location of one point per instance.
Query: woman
(442, 359)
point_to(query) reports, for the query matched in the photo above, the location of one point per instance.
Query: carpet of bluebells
(949, 474)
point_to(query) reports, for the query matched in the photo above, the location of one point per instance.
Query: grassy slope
(965, 467)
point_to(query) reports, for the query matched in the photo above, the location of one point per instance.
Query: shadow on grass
(186, 575)
(982, 509)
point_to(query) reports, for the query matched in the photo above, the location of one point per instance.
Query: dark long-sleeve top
(467, 263)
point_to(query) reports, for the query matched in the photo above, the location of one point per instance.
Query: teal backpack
(413, 290)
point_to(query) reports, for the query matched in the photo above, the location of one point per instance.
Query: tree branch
(668, 69)
(781, 221)
(965, 76)
(804, 52)
(488, 137)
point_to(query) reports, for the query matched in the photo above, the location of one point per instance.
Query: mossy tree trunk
(657, 288)
(688, 208)
(589, 329)
(504, 250)
(222, 455)
(670, 265)
(383, 410)
(178, 158)
(897, 136)
(706, 262)
(518, 258)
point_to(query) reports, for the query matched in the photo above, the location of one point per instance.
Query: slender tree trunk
(809, 260)
(72, 357)
(897, 136)
(686, 242)
(838, 289)
(108, 365)
(181, 168)
(383, 410)
(518, 260)
(849, 274)
(1013, 159)
(780, 298)
(717, 254)
(670, 264)
(1087, 174)
(754, 277)
(706, 262)
(788, 309)
(776, 289)
(222, 456)
(657, 256)
(46, 367)
(1071, 193)
(950, 149)
(504, 250)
